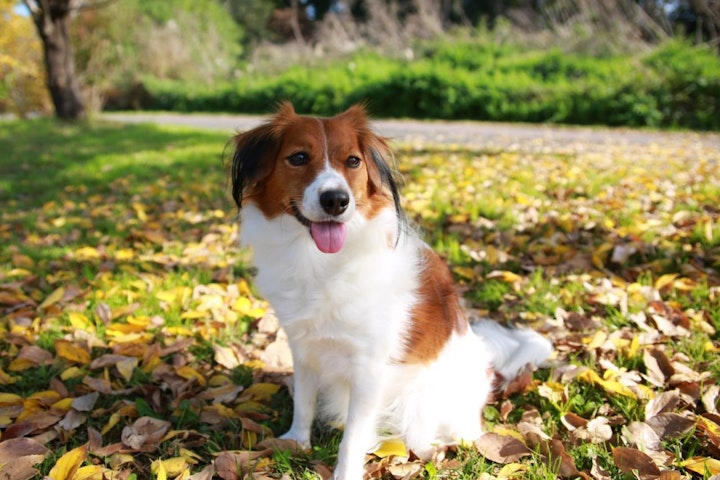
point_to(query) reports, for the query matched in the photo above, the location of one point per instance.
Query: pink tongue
(329, 236)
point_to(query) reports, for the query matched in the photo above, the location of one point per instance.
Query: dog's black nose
(334, 202)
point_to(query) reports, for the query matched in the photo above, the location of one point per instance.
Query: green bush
(675, 85)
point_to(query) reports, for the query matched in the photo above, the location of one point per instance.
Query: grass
(122, 240)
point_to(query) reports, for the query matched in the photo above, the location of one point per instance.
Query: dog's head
(321, 171)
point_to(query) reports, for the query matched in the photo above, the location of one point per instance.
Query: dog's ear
(255, 150)
(253, 159)
(381, 173)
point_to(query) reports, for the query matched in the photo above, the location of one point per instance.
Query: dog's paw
(301, 440)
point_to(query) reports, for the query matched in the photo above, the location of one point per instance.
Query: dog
(378, 337)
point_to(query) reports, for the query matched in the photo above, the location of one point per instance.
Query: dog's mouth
(329, 237)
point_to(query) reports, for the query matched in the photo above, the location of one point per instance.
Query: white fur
(347, 316)
(328, 179)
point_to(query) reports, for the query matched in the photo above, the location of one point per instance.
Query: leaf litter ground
(133, 345)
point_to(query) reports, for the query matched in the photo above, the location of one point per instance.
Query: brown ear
(255, 151)
(253, 160)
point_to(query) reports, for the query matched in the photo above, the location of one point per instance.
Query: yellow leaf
(193, 315)
(9, 399)
(72, 352)
(179, 331)
(685, 284)
(665, 280)
(79, 321)
(124, 254)
(112, 421)
(261, 392)
(702, 465)
(140, 211)
(504, 276)
(160, 473)
(610, 386)
(166, 296)
(392, 446)
(249, 438)
(20, 364)
(68, 464)
(6, 378)
(89, 472)
(86, 253)
(464, 272)
(72, 372)
(242, 305)
(172, 466)
(634, 346)
(512, 470)
(508, 432)
(600, 255)
(54, 297)
(64, 405)
(140, 322)
(187, 373)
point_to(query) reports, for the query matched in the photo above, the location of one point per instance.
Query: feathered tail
(512, 349)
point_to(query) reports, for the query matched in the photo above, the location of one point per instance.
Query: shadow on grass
(42, 158)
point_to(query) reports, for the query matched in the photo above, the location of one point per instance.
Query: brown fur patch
(437, 314)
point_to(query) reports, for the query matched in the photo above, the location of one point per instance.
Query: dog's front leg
(305, 384)
(361, 426)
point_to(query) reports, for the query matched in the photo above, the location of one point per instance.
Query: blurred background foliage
(616, 62)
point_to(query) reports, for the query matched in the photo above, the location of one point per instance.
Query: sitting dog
(378, 338)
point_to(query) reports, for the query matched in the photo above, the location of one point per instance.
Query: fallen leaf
(702, 465)
(501, 448)
(630, 460)
(69, 463)
(391, 447)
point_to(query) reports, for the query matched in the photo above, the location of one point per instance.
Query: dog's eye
(353, 162)
(299, 159)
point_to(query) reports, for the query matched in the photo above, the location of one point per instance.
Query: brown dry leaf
(144, 434)
(663, 402)
(630, 460)
(232, 465)
(501, 448)
(20, 468)
(32, 423)
(406, 471)
(710, 398)
(227, 357)
(18, 456)
(30, 356)
(557, 458)
(72, 420)
(642, 436)
(274, 443)
(669, 426)
(85, 403)
(658, 365)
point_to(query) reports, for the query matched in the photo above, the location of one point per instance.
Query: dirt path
(480, 135)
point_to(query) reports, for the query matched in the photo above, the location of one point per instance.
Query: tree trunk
(53, 24)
